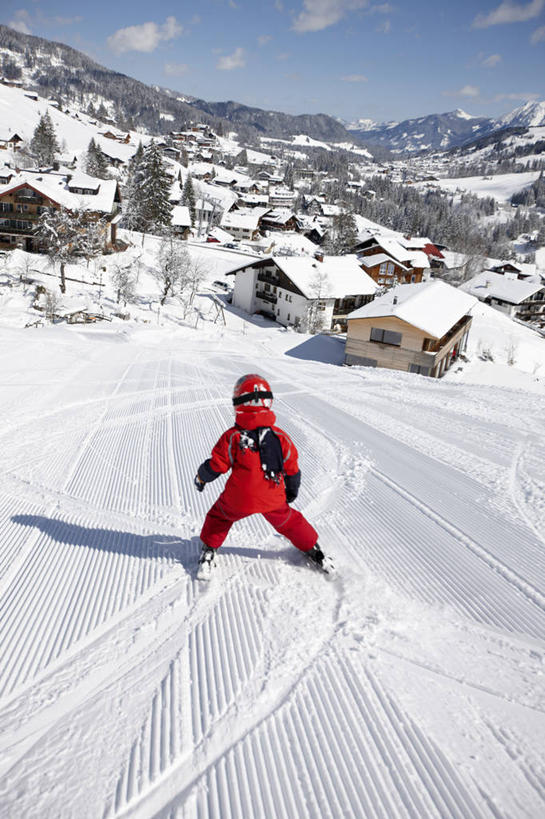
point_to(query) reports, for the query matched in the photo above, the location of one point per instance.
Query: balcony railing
(435, 348)
(270, 297)
(29, 197)
(269, 278)
(13, 229)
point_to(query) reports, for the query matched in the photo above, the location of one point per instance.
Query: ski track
(259, 694)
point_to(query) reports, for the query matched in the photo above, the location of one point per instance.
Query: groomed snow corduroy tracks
(409, 686)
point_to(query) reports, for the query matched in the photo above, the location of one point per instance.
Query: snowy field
(501, 187)
(411, 685)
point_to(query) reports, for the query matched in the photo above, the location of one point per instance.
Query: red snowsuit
(248, 491)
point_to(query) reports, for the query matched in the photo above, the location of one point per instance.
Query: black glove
(198, 483)
(292, 484)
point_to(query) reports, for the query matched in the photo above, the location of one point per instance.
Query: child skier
(264, 477)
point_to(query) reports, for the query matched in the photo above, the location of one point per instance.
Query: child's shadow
(145, 547)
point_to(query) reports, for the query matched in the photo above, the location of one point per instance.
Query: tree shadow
(155, 547)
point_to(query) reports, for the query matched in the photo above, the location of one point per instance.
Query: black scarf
(267, 443)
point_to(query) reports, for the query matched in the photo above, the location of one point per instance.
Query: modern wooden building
(419, 328)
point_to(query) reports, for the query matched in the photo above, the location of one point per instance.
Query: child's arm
(218, 464)
(292, 473)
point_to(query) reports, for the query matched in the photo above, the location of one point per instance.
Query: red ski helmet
(252, 390)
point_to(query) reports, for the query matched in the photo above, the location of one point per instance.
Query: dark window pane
(392, 338)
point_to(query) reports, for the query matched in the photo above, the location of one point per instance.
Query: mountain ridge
(445, 131)
(130, 103)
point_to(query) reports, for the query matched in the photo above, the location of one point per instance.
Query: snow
(495, 285)
(409, 685)
(19, 114)
(55, 187)
(432, 306)
(500, 187)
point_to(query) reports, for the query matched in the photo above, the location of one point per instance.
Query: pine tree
(154, 191)
(44, 143)
(133, 203)
(96, 163)
(343, 234)
(188, 198)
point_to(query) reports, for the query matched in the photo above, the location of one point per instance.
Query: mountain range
(57, 70)
(443, 131)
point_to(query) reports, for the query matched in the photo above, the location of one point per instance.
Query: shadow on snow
(156, 547)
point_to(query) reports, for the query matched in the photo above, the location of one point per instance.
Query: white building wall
(244, 290)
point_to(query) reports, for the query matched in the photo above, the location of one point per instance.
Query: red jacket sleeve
(289, 452)
(222, 454)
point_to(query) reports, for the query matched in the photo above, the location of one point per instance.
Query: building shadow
(326, 349)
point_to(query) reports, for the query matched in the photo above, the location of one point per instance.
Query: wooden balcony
(460, 325)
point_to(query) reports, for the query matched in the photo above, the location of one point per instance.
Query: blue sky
(347, 58)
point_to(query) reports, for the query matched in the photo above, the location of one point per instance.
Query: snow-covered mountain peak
(461, 114)
(531, 115)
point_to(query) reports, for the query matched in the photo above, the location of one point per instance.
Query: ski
(207, 564)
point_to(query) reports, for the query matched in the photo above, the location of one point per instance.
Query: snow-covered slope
(20, 114)
(409, 686)
(500, 187)
(531, 114)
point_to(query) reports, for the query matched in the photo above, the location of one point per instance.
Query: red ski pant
(287, 521)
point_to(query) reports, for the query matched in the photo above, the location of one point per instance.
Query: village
(291, 253)
(329, 235)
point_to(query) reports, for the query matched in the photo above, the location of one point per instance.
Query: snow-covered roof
(340, 275)
(343, 276)
(180, 216)
(379, 258)
(55, 187)
(79, 179)
(245, 220)
(220, 235)
(432, 306)
(280, 215)
(331, 210)
(499, 286)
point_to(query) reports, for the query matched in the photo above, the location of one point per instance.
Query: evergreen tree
(44, 143)
(188, 197)
(96, 163)
(154, 191)
(343, 234)
(133, 204)
(289, 176)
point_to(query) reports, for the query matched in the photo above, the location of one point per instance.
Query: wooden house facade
(424, 337)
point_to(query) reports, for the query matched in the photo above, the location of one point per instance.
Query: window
(419, 369)
(368, 362)
(385, 336)
(387, 269)
(288, 316)
(286, 296)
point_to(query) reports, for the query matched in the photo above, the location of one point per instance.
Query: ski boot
(316, 556)
(206, 563)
